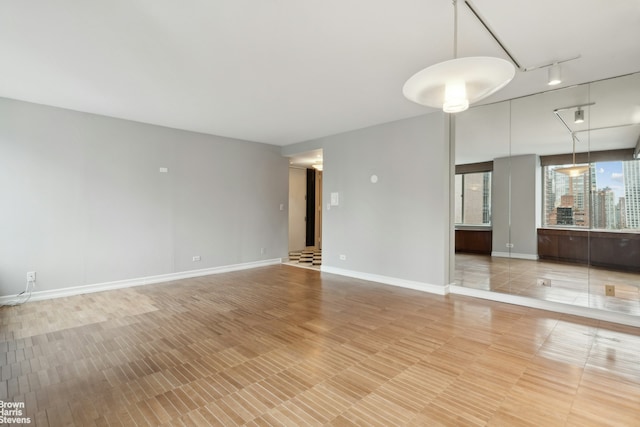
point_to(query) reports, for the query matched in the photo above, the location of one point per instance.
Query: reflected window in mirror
(473, 198)
(603, 195)
(566, 195)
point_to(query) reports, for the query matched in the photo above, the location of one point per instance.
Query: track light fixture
(554, 74)
(575, 169)
(578, 116)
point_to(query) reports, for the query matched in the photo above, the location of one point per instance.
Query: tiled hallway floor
(309, 258)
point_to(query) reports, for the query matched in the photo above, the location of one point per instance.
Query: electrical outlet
(343, 257)
(31, 276)
(610, 290)
(196, 258)
(263, 251)
(544, 282)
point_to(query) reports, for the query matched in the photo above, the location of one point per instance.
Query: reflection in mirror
(483, 132)
(562, 219)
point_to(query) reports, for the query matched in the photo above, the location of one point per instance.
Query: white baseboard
(514, 255)
(140, 281)
(558, 307)
(393, 281)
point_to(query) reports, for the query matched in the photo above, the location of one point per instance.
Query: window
(473, 198)
(606, 196)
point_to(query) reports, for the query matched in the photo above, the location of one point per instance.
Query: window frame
(472, 168)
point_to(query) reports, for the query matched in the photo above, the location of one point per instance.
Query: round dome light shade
(574, 171)
(481, 76)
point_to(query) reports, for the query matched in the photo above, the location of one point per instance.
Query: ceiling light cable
(486, 26)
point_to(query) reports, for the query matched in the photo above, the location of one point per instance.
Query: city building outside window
(606, 196)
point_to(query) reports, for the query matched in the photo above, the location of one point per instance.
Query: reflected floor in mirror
(551, 281)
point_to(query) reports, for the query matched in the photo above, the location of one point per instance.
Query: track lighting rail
(495, 37)
(557, 111)
(486, 26)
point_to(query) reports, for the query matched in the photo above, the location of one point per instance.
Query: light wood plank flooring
(287, 346)
(567, 283)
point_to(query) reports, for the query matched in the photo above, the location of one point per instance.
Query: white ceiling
(285, 71)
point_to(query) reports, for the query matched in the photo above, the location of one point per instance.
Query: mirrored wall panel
(547, 196)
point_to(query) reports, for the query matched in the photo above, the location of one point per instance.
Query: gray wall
(82, 200)
(398, 227)
(515, 207)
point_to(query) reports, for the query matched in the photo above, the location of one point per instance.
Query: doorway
(305, 209)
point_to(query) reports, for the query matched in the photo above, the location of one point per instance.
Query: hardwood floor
(288, 346)
(567, 283)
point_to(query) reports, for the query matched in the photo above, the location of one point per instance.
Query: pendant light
(575, 170)
(453, 85)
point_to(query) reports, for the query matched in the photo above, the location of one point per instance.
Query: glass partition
(564, 201)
